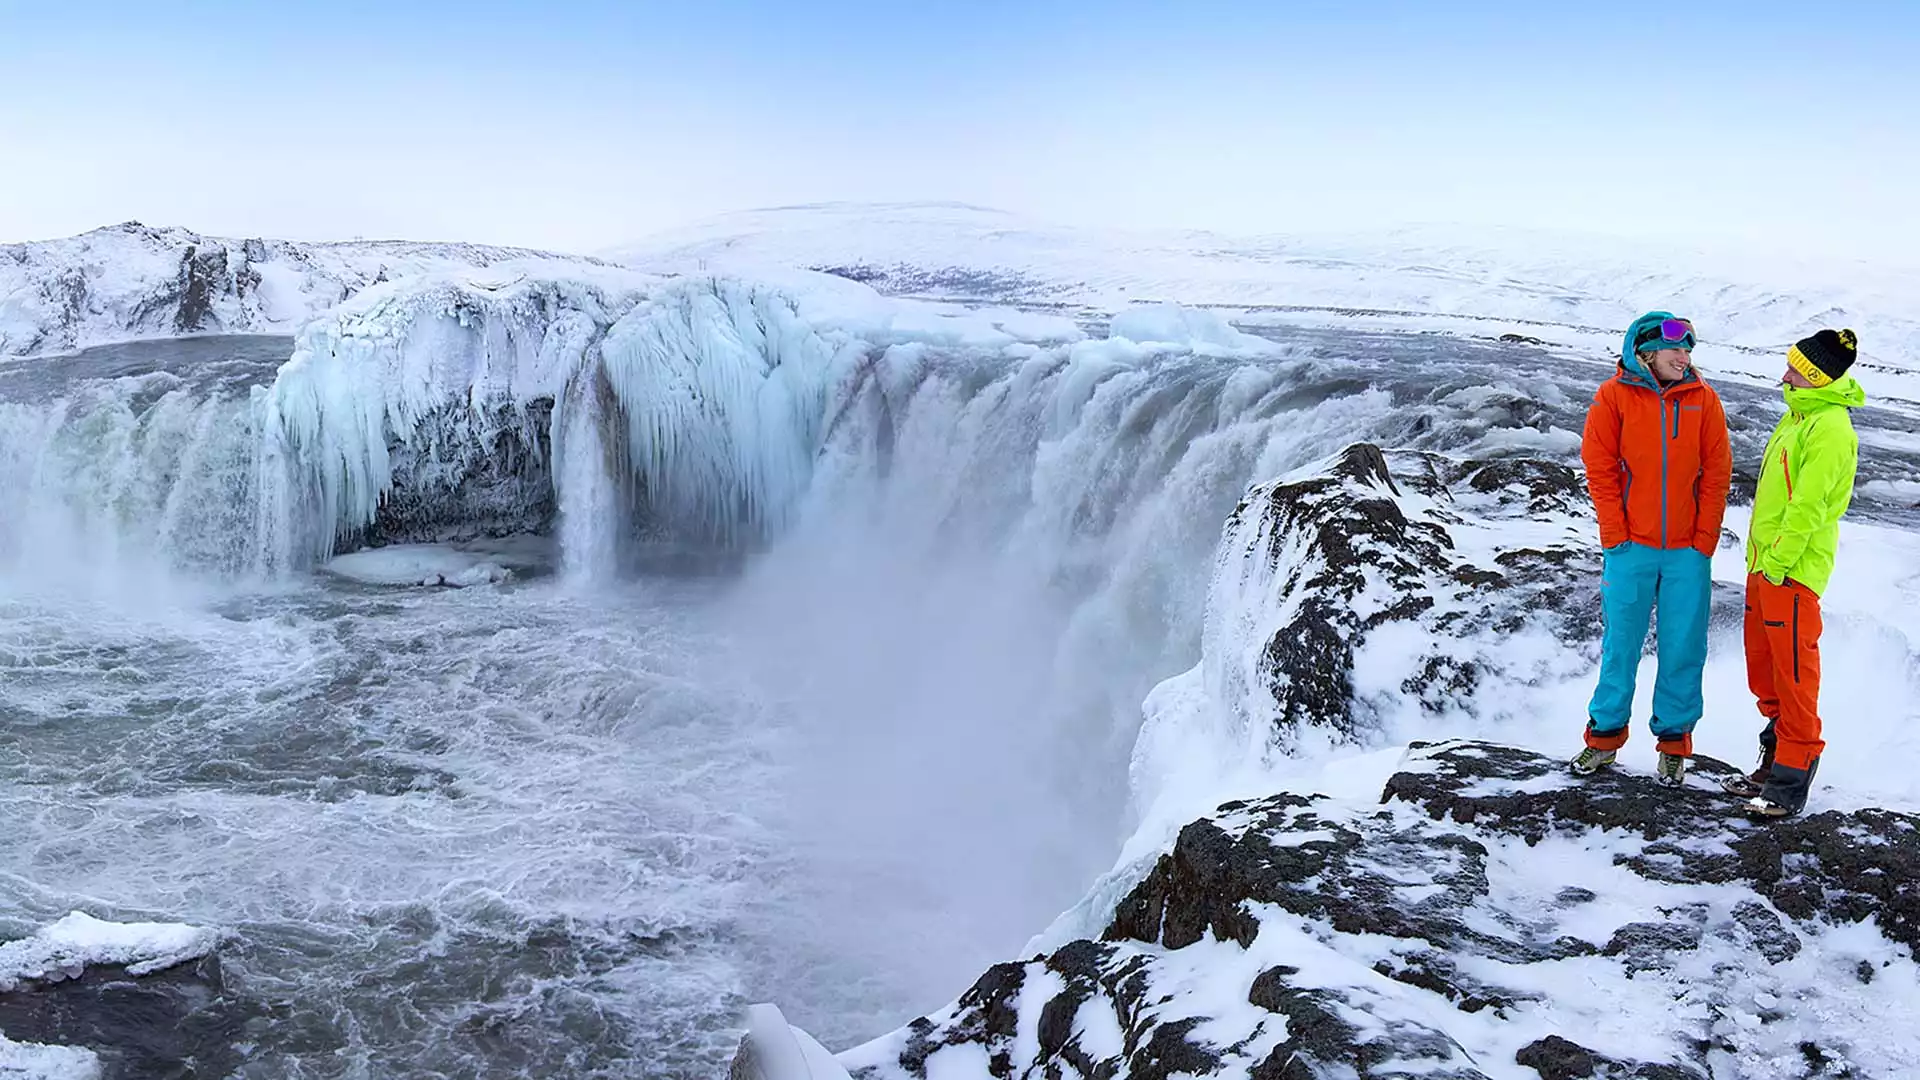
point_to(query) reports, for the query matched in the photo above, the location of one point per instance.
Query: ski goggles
(1667, 334)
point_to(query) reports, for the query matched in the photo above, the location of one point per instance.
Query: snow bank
(32, 1061)
(66, 948)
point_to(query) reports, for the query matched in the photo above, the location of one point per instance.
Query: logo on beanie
(1825, 356)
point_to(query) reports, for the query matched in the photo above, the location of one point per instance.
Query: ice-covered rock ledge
(1374, 590)
(84, 998)
(1487, 916)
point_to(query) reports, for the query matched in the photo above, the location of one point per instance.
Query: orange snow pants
(1783, 670)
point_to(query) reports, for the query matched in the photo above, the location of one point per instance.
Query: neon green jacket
(1806, 482)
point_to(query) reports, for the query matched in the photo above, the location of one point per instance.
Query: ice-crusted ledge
(84, 997)
(1368, 589)
(66, 948)
(64, 954)
(429, 400)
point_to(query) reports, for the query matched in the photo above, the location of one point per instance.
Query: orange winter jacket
(1658, 463)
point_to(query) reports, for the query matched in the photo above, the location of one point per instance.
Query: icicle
(724, 389)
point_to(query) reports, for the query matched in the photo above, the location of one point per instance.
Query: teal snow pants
(1634, 581)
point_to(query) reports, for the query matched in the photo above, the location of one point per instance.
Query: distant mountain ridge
(134, 281)
(958, 251)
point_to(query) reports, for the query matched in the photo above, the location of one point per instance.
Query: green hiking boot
(1589, 761)
(1672, 770)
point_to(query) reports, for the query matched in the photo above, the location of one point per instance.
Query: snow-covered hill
(1571, 288)
(134, 281)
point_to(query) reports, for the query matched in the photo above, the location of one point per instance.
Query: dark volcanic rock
(456, 480)
(185, 305)
(1377, 538)
(178, 1024)
(1832, 866)
(1555, 1058)
(1349, 926)
(1352, 521)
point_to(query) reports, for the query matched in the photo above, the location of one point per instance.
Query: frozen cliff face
(439, 404)
(426, 406)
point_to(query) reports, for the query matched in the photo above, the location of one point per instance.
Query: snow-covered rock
(1473, 911)
(84, 998)
(1364, 587)
(67, 947)
(1436, 929)
(133, 281)
(34, 1061)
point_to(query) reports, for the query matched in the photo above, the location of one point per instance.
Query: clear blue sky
(583, 125)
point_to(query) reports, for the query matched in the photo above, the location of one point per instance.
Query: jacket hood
(1845, 391)
(1632, 368)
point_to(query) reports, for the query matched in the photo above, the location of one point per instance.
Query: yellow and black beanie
(1825, 356)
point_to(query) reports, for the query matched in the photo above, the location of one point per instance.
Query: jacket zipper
(1663, 471)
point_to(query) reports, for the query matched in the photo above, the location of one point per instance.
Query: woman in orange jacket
(1658, 469)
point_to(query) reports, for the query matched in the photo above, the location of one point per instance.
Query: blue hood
(1632, 370)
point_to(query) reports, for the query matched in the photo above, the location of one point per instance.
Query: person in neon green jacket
(1806, 484)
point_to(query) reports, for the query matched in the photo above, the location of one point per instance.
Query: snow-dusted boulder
(87, 998)
(1484, 915)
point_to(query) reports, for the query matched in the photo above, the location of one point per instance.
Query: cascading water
(132, 462)
(588, 486)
